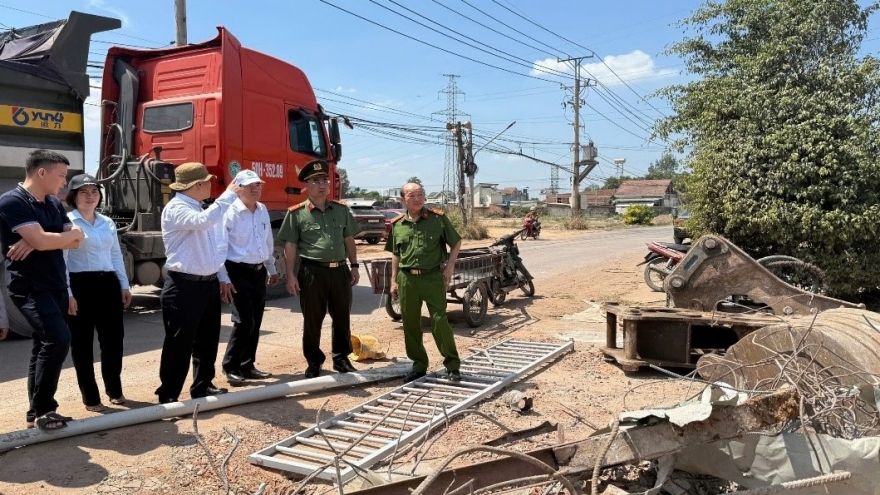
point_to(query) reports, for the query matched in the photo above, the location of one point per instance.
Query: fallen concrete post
(121, 419)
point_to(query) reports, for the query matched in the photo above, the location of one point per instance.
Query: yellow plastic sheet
(365, 347)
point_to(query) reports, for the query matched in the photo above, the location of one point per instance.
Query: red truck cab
(222, 104)
(214, 102)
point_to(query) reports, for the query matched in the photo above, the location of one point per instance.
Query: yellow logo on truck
(37, 118)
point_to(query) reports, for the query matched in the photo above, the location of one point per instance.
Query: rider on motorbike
(532, 220)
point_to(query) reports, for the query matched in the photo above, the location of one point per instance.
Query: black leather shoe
(343, 366)
(234, 377)
(167, 400)
(212, 390)
(413, 375)
(313, 371)
(453, 376)
(255, 374)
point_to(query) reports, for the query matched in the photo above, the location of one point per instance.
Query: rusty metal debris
(715, 269)
(513, 436)
(674, 337)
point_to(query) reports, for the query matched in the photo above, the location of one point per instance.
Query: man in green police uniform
(417, 242)
(321, 232)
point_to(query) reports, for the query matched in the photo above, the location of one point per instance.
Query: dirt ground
(164, 457)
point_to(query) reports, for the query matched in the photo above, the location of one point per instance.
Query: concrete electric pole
(180, 19)
(576, 176)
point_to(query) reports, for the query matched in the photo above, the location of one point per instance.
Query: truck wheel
(392, 307)
(372, 240)
(475, 302)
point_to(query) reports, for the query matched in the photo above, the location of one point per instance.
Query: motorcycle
(510, 274)
(662, 258)
(530, 228)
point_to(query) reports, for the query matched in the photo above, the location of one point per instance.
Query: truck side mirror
(337, 151)
(334, 131)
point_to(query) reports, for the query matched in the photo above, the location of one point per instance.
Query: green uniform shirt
(318, 235)
(422, 243)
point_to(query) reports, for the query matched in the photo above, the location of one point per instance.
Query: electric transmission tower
(451, 167)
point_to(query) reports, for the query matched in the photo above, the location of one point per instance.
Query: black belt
(420, 271)
(250, 266)
(193, 278)
(332, 264)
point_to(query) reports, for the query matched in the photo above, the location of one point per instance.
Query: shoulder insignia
(397, 218)
(296, 207)
(437, 211)
(338, 202)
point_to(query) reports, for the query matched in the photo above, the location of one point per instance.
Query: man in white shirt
(195, 250)
(250, 257)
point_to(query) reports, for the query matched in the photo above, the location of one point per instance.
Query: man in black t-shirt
(34, 231)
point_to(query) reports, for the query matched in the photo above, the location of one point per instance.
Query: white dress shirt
(195, 240)
(99, 250)
(250, 237)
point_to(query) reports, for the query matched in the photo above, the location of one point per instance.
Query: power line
(539, 26)
(509, 26)
(579, 46)
(29, 12)
(435, 46)
(514, 58)
(493, 29)
(526, 63)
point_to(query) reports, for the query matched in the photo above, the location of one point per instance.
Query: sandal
(118, 401)
(52, 421)
(96, 408)
(29, 424)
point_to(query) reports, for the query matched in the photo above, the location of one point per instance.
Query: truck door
(307, 142)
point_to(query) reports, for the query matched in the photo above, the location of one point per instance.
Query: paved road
(143, 323)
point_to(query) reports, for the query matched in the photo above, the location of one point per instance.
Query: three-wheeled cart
(473, 273)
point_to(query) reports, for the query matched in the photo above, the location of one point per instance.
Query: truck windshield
(307, 135)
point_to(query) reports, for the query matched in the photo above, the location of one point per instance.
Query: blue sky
(368, 72)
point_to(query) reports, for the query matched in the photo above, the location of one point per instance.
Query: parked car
(390, 214)
(679, 226)
(370, 221)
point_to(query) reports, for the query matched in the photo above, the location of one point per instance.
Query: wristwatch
(354, 265)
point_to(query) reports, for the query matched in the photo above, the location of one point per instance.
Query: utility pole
(462, 160)
(575, 63)
(180, 18)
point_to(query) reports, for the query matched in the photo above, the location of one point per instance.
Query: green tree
(343, 179)
(665, 167)
(373, 195)
(614, 182)
(780, 126)
(414, 179)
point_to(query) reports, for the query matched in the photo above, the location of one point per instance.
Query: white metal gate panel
(370, 432)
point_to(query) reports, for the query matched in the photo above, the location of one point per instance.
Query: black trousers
(248, 304)
(99, 308)
(325, 290)
(191, 314)
(45, 312)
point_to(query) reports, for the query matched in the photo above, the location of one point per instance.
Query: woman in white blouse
(99, 293)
